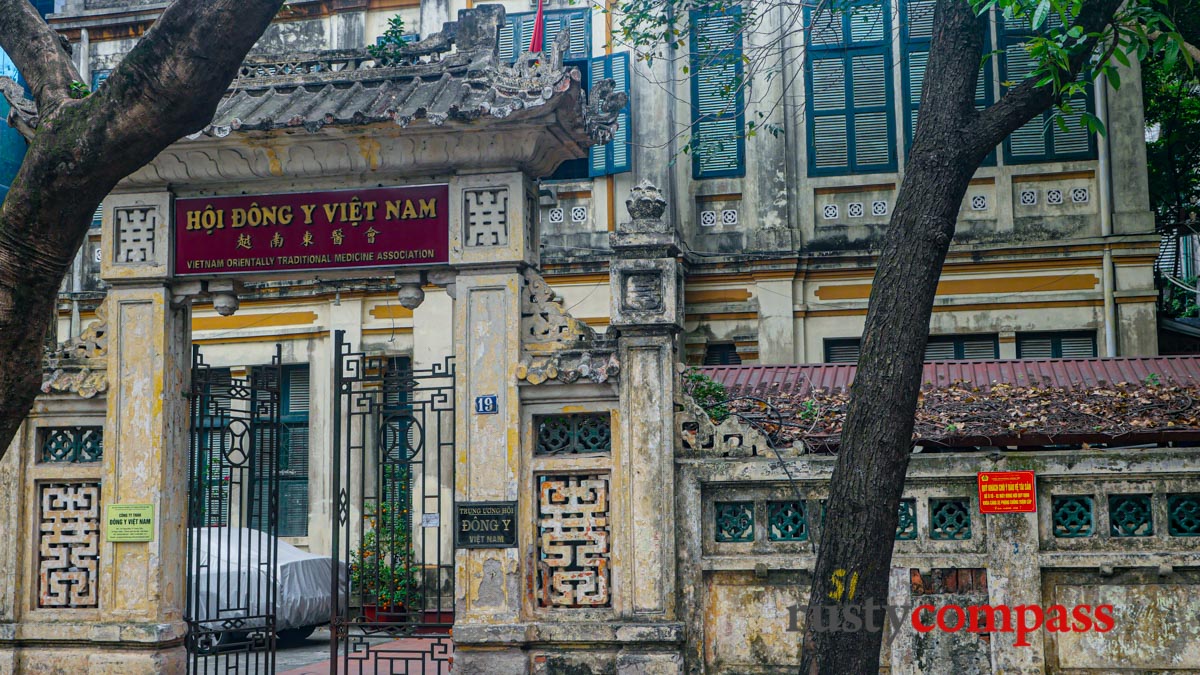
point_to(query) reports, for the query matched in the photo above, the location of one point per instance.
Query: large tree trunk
(167, 87)
(951, 141)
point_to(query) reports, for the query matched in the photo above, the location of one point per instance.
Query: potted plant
(382, 572)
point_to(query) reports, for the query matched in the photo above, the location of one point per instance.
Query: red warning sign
(1007, 492)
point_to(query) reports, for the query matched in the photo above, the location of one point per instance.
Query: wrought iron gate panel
(393, 483)
(233, 507)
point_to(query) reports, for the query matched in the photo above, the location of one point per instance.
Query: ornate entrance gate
(233, 506)
(393, 487)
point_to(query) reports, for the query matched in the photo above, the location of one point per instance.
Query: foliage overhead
(1171, 96)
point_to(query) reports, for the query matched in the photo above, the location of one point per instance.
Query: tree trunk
(167, 87)
(951, 141)
(859, 528)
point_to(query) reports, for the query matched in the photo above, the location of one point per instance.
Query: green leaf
(1040, 14)
(1093, 123)
(1114, 77)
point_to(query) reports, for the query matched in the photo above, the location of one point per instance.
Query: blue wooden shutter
(870, 84)
(1042, 139)
(851, 126)
(518, 30)
(294, 453)
(613, 157)
(718, 105)
(99, 77)
(579, 23)
(827, 102)
(510, 37)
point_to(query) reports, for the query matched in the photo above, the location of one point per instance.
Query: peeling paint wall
(745, 575)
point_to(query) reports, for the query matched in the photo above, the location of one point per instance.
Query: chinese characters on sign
(485, 525)
(1007, 492)
(381, 227)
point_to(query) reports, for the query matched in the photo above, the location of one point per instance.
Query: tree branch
(168, 86)
(1025, 101)
(1191, 49)
(38, 54)
(174, 78)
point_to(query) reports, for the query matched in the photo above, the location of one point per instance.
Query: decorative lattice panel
(1072, 516)
(72, 444)
(1130, 516)
(486, 217)
(735, 521)
(573, 541)
(906, 526)
(1183, 513)
(68, 545)
(787, 521)
(949, 519)
(573, 434)
(135, 234)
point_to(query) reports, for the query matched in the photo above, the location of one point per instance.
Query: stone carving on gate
(78, 366)
(135, 227)
(485, 214)
(68, 545)
(573, 542)
(732, 438)
(556, 345)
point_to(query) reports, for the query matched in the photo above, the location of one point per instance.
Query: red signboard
(384, 227)
(1007, 492)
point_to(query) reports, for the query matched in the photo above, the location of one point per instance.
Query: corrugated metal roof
(1181, 370)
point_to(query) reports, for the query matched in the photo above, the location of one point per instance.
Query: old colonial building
(762, 253)
(1054, 256)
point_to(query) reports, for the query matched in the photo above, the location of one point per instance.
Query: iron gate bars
(392, 485)
(233, 507)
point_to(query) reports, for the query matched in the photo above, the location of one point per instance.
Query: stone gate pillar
(493, 238)
(141, 584)
(580, 446)
(647, 310)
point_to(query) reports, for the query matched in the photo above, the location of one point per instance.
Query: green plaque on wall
(129, 522)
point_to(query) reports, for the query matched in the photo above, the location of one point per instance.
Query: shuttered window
(395, 473)
(962, 347)
(916, 23)
(842, 350)
(851, 126)
(1041, 139)
(1064, 345)
(518, 30)
(613, 157)
(722, 355)
(718, 106)
(294, 452)
(938, 348)
(211, 508)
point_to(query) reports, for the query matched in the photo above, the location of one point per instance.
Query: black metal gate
(233, 506)
(393, 486)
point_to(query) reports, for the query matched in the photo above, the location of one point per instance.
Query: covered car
(230, 593)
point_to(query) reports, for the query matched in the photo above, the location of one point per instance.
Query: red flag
(539, 27)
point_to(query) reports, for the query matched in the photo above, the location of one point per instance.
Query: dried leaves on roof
(962, 414)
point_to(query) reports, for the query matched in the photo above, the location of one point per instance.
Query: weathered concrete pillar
(434, 13)
(1015, 578)
(776, 321)
(137, 626)
(647, 312)
(492, 239)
